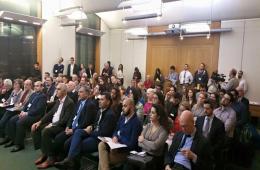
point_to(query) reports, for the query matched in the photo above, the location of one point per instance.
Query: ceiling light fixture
(144, 16)
(12, 16)
(23, 21)
(8, 18)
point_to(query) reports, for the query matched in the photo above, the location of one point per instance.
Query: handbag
(140, 161)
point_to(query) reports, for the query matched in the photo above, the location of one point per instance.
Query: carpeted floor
(23, 160)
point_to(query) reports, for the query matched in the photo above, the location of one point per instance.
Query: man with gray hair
(6, 90)
(232, 83)
(55, 121)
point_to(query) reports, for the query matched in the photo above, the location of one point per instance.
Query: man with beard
(127, 132)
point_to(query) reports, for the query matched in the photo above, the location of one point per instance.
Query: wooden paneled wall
(164, 51)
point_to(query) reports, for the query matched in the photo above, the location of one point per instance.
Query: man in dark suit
(49, 88)
(81, 119)
(213, 129)
(189, 149)
(86, 140)
(58, 68)
(72, 68)
(72, 92)
(32, 112)
(90, 71)
(55, 121)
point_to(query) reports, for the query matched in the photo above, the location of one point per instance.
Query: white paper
(111, 144)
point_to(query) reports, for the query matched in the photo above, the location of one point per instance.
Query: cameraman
(232, 83)
(212, 83)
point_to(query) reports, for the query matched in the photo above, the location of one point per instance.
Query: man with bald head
(128, 129)
(189, 149)
(52, 123)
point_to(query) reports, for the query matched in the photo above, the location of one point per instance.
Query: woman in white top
(120, 74)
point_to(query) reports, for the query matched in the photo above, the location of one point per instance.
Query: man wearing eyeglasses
(226, 114)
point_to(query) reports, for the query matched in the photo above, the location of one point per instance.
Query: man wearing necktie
(187, 151)
(85, 115)
(213, 129)
(53, 122)
(186, 77)
(85, 140)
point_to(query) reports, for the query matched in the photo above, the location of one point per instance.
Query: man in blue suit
(32, 112)
(86, 140)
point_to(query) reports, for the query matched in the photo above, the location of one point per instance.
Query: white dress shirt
(56, 116)
(186, 77)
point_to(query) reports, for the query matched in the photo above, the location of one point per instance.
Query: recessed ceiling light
(8, 18)
(23, 21)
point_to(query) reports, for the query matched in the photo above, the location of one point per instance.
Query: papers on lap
(111, 144)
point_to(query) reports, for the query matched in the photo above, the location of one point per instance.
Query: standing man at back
(186, 77)
(72, 68)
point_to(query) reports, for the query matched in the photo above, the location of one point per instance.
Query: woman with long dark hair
(153, 137)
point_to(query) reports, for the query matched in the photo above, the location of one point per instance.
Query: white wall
(56, 41)
(116, 49)
(104, 45)
(240, 49)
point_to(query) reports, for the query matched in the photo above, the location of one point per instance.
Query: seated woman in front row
(153, 137)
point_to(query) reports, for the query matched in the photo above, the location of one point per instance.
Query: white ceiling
(176, 12)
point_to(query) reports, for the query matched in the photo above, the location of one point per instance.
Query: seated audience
(31, 113)
(127, 132)
(86, 140)
(198, 109)
(53, 122)
(25, 94)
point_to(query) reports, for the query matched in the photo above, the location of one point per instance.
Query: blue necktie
(76, 118)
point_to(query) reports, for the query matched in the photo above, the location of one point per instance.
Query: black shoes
(9, 144)
(17, 148)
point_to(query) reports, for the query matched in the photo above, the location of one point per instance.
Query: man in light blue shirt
(189, 149)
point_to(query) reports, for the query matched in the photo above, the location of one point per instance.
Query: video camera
(218, 77)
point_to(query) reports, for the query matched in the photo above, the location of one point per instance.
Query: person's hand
(188, 154)
(35, 126)
(88, 129)
(115, 139)
(167, 167)
(22, 115)
(68, 131)
(141, 138)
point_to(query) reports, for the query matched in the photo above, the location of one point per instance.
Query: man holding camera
(232, 83)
